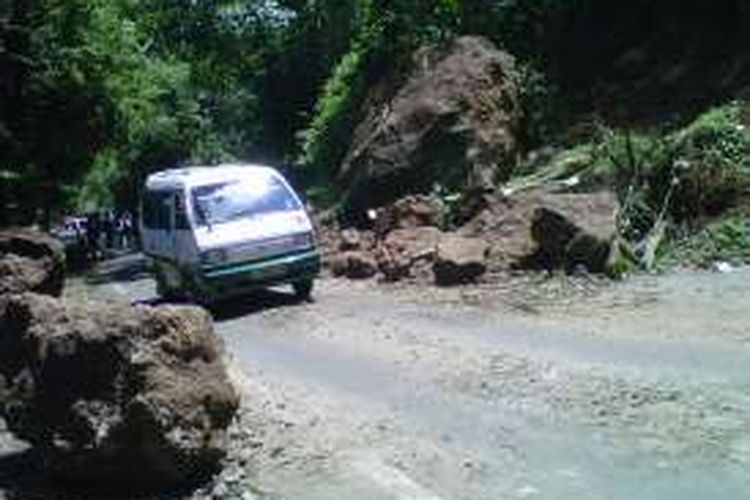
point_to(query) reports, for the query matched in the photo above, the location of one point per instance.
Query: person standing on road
(109, 229)
(93, 232)
(125, 226)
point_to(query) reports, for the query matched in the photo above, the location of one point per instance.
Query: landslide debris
(451, 125)
(117, 396)
(534, 229)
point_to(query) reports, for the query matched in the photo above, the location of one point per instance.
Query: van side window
(156, 210)
(180, 213)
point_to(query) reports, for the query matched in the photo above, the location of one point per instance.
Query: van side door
(183, 239)
(158, 224)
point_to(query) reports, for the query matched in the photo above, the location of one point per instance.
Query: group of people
(99, 231)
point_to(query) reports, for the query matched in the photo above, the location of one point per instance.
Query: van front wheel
(303, 289)
(162, 289)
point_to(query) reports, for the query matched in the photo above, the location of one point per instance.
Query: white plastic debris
(723, 267)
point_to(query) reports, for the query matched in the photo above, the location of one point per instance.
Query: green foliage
(638, 167)
(104, 91)
(327, 137)
(727, 240)
(665, 181)
(696, 172)
(543, 110)
(321, 196)
(156, 116)
(622, 261)
(712, 166)
(699, 171)
(555, 168)
(448, 206)
(97, 93)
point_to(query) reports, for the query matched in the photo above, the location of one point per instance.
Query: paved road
(551, 390)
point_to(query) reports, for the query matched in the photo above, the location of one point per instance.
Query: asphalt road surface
(536, 388)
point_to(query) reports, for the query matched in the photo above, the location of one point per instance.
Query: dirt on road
(550, 388)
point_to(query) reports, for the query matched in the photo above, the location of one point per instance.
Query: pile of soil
(537, 229)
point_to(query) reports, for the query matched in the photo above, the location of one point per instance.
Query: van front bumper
(233, 279)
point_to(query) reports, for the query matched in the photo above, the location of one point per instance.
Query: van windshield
(228, 201)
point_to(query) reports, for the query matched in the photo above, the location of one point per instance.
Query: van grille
(269, 247)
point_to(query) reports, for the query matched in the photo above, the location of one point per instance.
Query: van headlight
(213, 257)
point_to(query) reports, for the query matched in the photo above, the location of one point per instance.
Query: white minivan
(216, 232)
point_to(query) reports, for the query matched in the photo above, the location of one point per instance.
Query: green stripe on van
(256, 265)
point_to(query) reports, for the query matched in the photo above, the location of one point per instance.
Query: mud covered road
(539, 388)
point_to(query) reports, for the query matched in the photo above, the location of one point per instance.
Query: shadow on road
(123, 269)
(128, 269)
(253, 303)
(230, 309)
(23, 477)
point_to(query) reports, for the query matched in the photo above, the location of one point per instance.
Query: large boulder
(545, 229)
(460, 260)
(31, 261)
(126, 397)
(455, 122)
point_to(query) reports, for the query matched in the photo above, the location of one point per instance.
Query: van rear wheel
(303, 289)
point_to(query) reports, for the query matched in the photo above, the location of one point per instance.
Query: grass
(668, 183)
(724, 240)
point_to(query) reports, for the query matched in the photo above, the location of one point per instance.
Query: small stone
(353, 265)
(349, 239)
(460, 260)
(221, 490)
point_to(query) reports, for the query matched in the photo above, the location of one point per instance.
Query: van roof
(187, 177)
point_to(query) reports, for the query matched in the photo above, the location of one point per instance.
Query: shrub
(695, 173)
(712, 166)
(667, 183)
(727, 239)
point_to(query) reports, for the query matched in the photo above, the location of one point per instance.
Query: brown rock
(414, 211)
(349, 239)
(460, 260)
(353, 265)
(545, 229)
(414, 242)
(126, 397)
(403, 249)
(454, 122)
(31, 261)
(409, 212)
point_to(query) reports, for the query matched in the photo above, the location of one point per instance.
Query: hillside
(88, 109)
